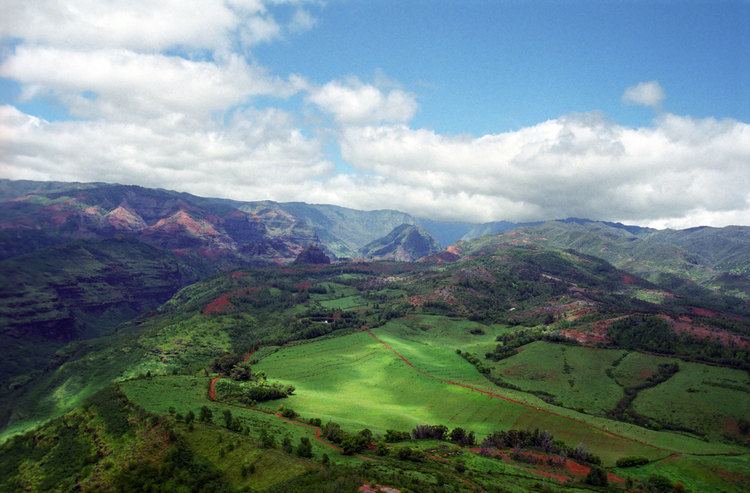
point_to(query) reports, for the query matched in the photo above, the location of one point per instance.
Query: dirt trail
(212, 388)
(506, 398)
(248, 355)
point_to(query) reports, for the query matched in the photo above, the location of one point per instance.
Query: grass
(708, 399)
(574, 376)
(272, 466)
(699, 473)
(356, 381)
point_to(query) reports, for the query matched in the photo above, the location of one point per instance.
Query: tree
(286, 444)
(206, 415)
(461, 437)
(227, 418)
(190, 417)
(304, 449)
(241, 372)
(597, 477)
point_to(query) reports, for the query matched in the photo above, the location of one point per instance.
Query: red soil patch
(645, 373)
(238, 274)
(219, 305)
(247, 356)
(686, 325)
(377, 488)
(303, 286)
(453, 249)
(703, 312)
(212, 388)
(628, 279)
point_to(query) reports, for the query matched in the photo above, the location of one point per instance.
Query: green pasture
(710, 400)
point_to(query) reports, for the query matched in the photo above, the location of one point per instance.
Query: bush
(304, 449)
(429, 432)
(225, 362)
(411, 454)
(658, 484)
(597, 477)
(206, 415)
(289, 413)
(461, 437)
(393, 436)
(267, 439)
(632, 461)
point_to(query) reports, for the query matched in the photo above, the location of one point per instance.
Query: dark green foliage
(180, 471)
(332, 432)
(112, 406)
(226, 362)
(539, 440)
(597, 477)
(381, 449)
(286, 445)
(393, 436)
(289, 413)
(644, 333)
(462, 437)
(429, 432)
(314, 421)
(624, 410)
(632, 461)
(409, 453)
(206, 415)
(240, 372)
(267, 439)
(304, 449)
(658, 484)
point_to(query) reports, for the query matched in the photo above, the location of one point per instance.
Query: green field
(574, 375)
(708, 399)
(358, 382)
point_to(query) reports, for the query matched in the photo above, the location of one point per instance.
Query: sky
(453, 110)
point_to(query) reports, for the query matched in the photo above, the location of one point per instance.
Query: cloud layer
(165, 95)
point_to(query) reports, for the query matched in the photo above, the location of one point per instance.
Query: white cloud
(353, 102)
(579, 165)
(302, 21)
(122, 84)
(254, 155)
(139, 25)
(648, 94)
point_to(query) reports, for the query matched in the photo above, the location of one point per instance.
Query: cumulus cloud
(122, 84)
(255, 155)
(140, 25)
(578, 165)
(648, 94)
(353, 102)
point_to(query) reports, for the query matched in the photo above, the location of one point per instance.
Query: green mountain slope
(406, 243)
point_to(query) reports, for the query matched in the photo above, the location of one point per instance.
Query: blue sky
(471, 110)
(484, 66)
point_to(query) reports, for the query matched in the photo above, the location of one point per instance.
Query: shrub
(393, 436)
(225, 362)
(429, 432)
(304, 449)
(411, 454)
(206, 415)
(597, 477)
(632, 461)
(289, 413)
(461, 437)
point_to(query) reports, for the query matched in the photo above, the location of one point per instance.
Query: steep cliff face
(406, 243)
